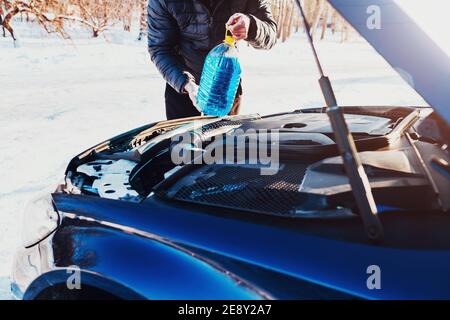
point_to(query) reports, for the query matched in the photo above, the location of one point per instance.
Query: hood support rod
(359, 182)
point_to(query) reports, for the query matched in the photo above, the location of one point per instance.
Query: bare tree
(125, 13)
(1, 19)
(318, 13)
(98, 15)
(4, 9)
(142, 19)
(43, 11)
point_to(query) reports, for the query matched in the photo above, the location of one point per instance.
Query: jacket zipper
(210, 16)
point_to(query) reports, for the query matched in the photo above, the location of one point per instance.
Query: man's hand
(191, 88)
(239, 24)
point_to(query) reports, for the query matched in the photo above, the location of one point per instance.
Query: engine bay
(310, 180)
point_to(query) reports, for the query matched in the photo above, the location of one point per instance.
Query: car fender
(141, 267)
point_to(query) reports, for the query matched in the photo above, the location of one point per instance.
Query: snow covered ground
(59, 97)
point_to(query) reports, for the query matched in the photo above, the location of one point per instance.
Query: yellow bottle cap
(229, 37)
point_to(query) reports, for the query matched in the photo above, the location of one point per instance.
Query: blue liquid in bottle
(220, 79)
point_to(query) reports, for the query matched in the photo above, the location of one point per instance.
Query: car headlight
(40, 219)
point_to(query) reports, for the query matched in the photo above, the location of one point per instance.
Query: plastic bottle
(220, 79)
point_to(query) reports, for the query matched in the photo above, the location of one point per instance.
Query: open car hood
(421, 62)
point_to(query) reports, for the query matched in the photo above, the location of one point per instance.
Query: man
(182, 32)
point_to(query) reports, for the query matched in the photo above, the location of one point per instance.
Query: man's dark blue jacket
(182, 32)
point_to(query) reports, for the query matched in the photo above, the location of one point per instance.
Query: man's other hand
(239, 24)
(191, 88)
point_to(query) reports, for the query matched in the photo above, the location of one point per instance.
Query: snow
(59, 97)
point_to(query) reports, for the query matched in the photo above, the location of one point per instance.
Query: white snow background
(59, 97)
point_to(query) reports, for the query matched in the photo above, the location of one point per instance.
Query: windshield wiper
(353, 167)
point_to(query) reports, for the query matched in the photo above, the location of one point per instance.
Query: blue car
(260, 207)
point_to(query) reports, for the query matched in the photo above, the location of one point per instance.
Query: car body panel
(408, 274)
(160, 271)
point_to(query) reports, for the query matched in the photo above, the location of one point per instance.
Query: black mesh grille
(244, 188)
(220, 124)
